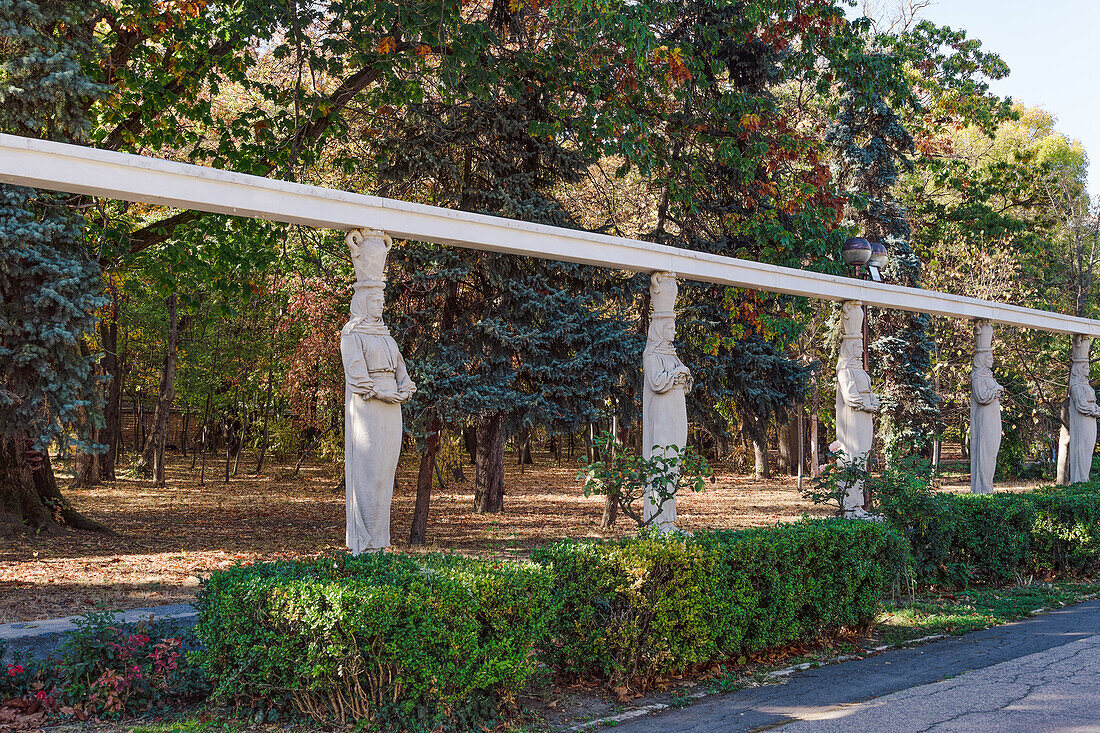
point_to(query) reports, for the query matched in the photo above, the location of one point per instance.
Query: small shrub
(107, 669)
(830, 486)
(408, 643)
(284, 437)
(1066, 529)
(793, 582)
(625, 476)
(15, 680)
(958, 540)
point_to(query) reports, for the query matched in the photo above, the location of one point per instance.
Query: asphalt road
(1041, 674)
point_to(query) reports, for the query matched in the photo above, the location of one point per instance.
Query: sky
(1053, 50)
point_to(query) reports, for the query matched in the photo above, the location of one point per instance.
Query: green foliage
(15, 679)
(108, 669)
(957, 540)
(410, 643)
(284, 438)
(625, 476)
(796, 581)
(630, 610)
(1066, 532)
(830, 486)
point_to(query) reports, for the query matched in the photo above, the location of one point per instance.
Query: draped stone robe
(985, 429)
(1082, 427)
(855, 422)
(664, 407)
(376, 383)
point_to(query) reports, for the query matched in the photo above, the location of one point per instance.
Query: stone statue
(1083, 412)
(985, 412)
(376, 384)
(856, 404)
(664, 398)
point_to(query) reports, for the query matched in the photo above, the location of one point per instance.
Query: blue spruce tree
(507, 343)
(49, 289)
(870, 141)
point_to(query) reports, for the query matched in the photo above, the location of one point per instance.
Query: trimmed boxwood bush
(1066, 533)
(959, 539)
(631, 610)
(796, 581)
(412, 643)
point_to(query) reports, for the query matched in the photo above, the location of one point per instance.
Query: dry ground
(171, 537)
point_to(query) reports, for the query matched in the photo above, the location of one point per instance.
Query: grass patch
(973, 609)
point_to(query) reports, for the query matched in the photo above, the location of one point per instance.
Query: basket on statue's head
(851, 319)
(983, 336)
(368, 253)
(662, 294)
(1080, 351)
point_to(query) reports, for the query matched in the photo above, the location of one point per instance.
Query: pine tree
(49, 290)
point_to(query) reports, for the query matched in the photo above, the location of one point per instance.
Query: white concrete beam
(76, 169)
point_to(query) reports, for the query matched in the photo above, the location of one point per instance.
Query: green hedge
(959, 539)
(410, 643)
(630, 610)
(440, 642)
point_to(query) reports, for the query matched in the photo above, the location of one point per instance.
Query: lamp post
(866, 260)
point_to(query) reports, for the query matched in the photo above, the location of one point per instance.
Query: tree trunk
(610, 506)
(139, 423)
(489, 485)
(95, 467)
(523, 447)
(21, 508)
(29, 497)
(758, 434)
(1062, 476)
(240, 443)
(153, 454)
(788, 445)
(419, 530)
(267, 405)
(185, 431)
(469, 442)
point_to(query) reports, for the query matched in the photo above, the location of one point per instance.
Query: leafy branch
(625, 477)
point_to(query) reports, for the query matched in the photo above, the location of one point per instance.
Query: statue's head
(983, 360)
(851, 347)
(663, 329)
(368, 301)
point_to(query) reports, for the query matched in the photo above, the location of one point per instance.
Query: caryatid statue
(664, 398)
(856, 404)
(1083, 412)
(376, 384)
(985, 412)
